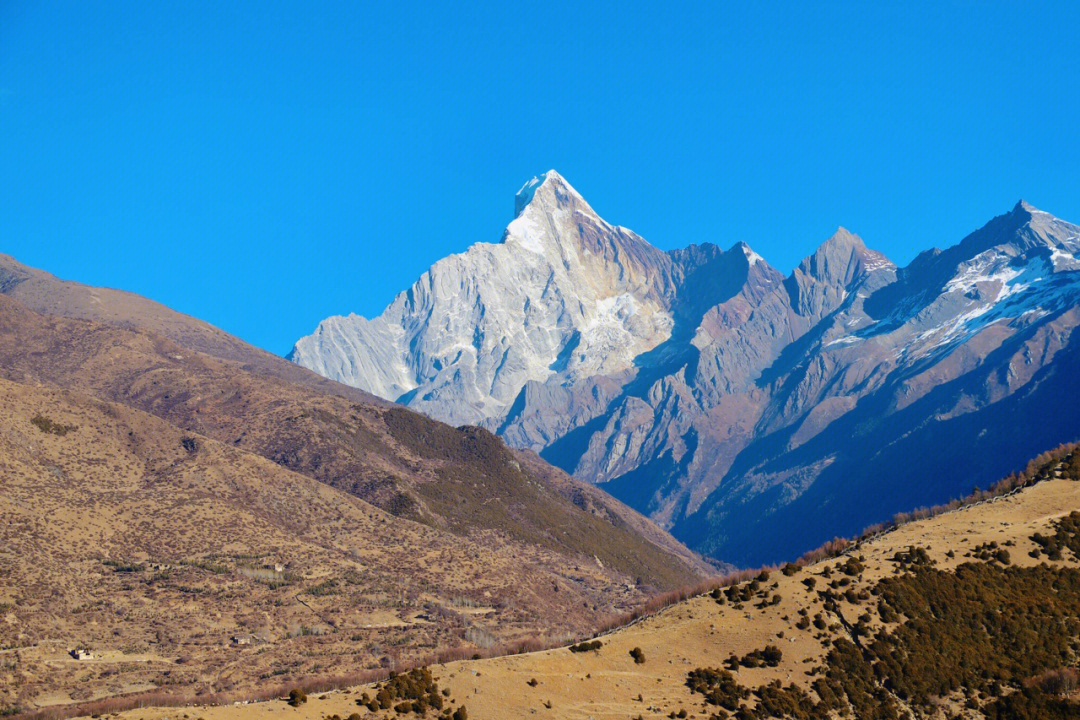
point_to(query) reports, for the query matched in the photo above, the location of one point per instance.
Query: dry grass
(700, 632)
(207, 472)
(120, 537)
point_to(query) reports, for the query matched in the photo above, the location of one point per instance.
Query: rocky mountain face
(755, 415)
(564, 293)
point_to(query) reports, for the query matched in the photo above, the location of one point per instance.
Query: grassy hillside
(46, 294)
(155, 547)
(468, 483)
(209, 522)
(973, 613)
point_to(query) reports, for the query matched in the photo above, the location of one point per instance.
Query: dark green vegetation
(718, 686)
(413, 692)
(742, 592)
(586, 646)
(46, 425)
(1066, 536)
(992, 638)
(769, 656)
(991, 552)
(638, 655)
(123, 567)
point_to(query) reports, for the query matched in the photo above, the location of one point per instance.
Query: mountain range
(752, 414)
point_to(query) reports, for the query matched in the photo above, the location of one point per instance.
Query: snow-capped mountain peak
(709, 390)
(565, 293)
(550, 192)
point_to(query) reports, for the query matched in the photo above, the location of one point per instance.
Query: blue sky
(263, 165)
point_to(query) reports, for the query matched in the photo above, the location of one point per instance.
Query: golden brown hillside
(959, 599)
(462, 480)
(155, 547)
(44, 293)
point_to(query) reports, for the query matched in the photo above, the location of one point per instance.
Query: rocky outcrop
(755, 415)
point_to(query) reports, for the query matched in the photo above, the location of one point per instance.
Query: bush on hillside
(49, 427)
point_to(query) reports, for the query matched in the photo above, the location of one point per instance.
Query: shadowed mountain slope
(156, 547)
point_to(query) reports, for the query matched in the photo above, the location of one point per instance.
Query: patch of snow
(1060, 259)
(989, 266)
(1023, 292)
(611, 332)
(611, 313)
(525, 233)
(752, 257)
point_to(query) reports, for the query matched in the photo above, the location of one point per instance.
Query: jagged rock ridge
(753, 414)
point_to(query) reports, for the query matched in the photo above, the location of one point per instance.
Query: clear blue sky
(263, 165)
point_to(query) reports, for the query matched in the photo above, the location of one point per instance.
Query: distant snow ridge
(738, 407)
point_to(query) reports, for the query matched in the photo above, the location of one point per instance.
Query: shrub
(297, 697)
(586, 646)
(718, 686)
(415, 691)
(638, 655)
(913, 557)
(49, 427)
(852, 567)
(771, 655)
(1066, 535)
